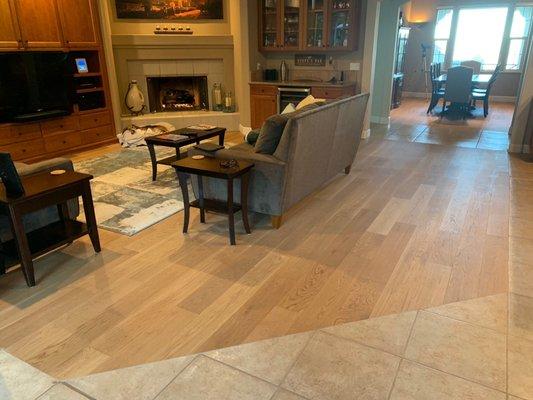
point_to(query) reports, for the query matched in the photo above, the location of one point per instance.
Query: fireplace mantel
(174, 41)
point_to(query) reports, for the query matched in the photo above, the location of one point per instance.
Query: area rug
(126, 200)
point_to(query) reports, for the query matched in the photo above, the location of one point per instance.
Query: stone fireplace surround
(141, 56)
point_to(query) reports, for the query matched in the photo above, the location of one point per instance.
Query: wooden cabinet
(39, 24)
(264, 98)
(79, 23)
(263, 103)
(50, 138)
(9, 29)
(309, 25)
(48, 24)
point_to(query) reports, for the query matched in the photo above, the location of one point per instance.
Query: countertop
(305, 84)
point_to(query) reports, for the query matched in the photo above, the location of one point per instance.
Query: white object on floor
(134, 136)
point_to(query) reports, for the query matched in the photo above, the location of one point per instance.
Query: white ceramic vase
(134, 98)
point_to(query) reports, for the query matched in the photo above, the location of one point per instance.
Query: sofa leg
(276, 221)
(347, 170)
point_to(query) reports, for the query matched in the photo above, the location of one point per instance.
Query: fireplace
(178, 93)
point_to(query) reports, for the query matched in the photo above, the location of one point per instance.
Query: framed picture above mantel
(170, 9)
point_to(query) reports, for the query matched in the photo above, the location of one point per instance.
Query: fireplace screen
(183, 93)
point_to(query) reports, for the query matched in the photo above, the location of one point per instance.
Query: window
(479, 36)
(520, 29)
(489, 35)
(443, 28)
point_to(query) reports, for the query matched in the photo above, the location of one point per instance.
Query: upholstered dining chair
(437, 92)
(475, 65)
(484, 94)
(458, 91)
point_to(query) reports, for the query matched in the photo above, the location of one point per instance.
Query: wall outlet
(355, 66)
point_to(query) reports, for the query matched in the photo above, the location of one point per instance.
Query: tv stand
(40, 115)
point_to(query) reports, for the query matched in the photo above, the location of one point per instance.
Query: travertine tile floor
(475, 349)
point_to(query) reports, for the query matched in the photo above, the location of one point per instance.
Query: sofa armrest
(258, 159)
(44, 166)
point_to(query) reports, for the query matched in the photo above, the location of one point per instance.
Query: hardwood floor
(412, 226)
(411, 123)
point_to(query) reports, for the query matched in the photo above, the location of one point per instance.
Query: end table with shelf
(211, 167)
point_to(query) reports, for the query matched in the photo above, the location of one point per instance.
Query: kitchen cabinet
(309, 25)
(263, 103)
(264, 97)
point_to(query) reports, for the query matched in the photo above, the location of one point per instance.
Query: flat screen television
(34, 86)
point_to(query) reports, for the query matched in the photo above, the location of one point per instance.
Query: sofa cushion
(252, 136)
(270, 134)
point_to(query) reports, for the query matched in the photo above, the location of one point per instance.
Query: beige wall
(145, 27)
(421, 11)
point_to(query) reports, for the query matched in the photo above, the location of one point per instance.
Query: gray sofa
(48, 215)
(315, 146)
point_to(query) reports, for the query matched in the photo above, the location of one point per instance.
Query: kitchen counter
(345, 84)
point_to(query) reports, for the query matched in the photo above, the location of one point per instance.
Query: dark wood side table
(41, 191)
(195, 137)
(212, 167)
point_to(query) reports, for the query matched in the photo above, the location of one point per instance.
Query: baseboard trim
(380, 120)
(499, 99)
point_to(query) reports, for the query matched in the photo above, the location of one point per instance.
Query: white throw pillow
(289, 109)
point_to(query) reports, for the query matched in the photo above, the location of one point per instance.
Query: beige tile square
(459, 348)
(521, 316)
(19, 380)
(521, 278)
(139, 382)
(388, 333)
(416, 382)
(268, 359)
(207, 379)
(286, 395)
(489, 312)
(520, 359)
(62, 392)
(335, 368)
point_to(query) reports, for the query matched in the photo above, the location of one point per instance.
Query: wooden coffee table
(212, 167)
(43, 190)
(194, 137)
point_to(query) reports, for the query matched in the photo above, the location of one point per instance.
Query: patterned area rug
(125, 198)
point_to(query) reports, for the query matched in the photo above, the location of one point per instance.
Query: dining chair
(484, 94)
(437, 92)
(475, 65)
(458, 91)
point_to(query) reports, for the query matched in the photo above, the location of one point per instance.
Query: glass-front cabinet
(341, 24)
(316, 17)
(304, 25)
(270, 24)
(292, 24)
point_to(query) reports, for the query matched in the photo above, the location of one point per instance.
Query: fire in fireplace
(178, 93)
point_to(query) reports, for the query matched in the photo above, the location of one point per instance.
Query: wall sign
(310, 60)
(170, 9)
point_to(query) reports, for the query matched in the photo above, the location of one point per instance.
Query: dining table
(476, 79)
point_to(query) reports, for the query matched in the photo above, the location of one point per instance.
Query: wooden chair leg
(276, 221)
(486, 107)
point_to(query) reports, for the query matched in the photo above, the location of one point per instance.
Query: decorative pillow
(251, 137)
(270, 134)
(289, 109)
(307, 101)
